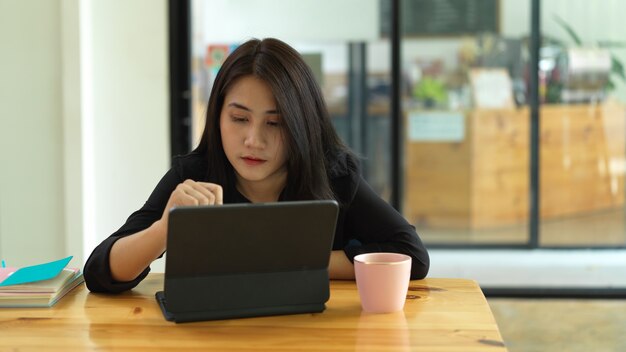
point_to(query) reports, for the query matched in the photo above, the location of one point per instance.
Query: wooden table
(439, 315)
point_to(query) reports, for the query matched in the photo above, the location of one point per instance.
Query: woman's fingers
(192, 193)
(216, 190)
(199, 196)
(194, 197)
(201, 193)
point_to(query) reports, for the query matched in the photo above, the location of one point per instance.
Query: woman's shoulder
(345, 176)
(190, 166)
(344, 164)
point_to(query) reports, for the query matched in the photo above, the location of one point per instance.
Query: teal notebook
(39, 272)
(39, 285)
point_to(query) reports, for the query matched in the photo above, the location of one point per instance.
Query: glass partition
(345, 52)
(466, 117)
(465, 106)
(583, 123)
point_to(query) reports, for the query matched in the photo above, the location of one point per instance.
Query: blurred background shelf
(483, 180)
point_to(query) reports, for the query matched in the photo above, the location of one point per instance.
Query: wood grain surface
(439, 315)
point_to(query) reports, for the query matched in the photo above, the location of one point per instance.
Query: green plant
(617, 67)
(430, 91)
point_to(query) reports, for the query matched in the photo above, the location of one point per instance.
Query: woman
(267, 138)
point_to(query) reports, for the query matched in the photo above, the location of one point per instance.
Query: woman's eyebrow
(243, 107)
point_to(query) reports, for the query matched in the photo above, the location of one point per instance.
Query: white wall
(129, 124)
(84, 128)
(228, 21)
(310, 26)
(72, 124)
(31, 132)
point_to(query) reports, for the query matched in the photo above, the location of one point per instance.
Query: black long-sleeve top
(366, 223)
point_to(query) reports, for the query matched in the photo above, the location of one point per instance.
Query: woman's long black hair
(310, 138)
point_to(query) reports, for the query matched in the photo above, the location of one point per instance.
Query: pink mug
(382, 280)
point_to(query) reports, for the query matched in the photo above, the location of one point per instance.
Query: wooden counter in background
(483, 180)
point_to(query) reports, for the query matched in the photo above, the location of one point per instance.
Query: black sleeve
(380, 228)
(97, 271)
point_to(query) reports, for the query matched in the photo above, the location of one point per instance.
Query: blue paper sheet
(37, 272)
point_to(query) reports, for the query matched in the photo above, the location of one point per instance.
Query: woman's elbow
(420, 267)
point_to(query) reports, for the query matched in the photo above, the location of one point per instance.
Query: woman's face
(252, 133)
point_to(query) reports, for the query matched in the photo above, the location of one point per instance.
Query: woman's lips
(252, 160)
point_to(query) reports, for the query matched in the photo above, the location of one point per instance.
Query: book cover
(39, 285)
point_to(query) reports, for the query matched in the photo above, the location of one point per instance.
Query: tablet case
(245, 260)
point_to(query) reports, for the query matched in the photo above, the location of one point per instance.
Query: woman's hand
(192, 193)
(130, 255)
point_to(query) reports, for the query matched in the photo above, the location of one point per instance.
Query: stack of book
(39, 285)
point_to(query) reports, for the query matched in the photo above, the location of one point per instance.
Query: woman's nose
(254, 138)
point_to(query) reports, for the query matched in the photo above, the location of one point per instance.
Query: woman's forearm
(132, 254)
(340, 266)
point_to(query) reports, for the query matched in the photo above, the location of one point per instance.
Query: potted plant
(617, 67)
(430, 91)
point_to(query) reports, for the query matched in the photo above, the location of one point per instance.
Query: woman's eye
(239, 119)
(273, 123)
